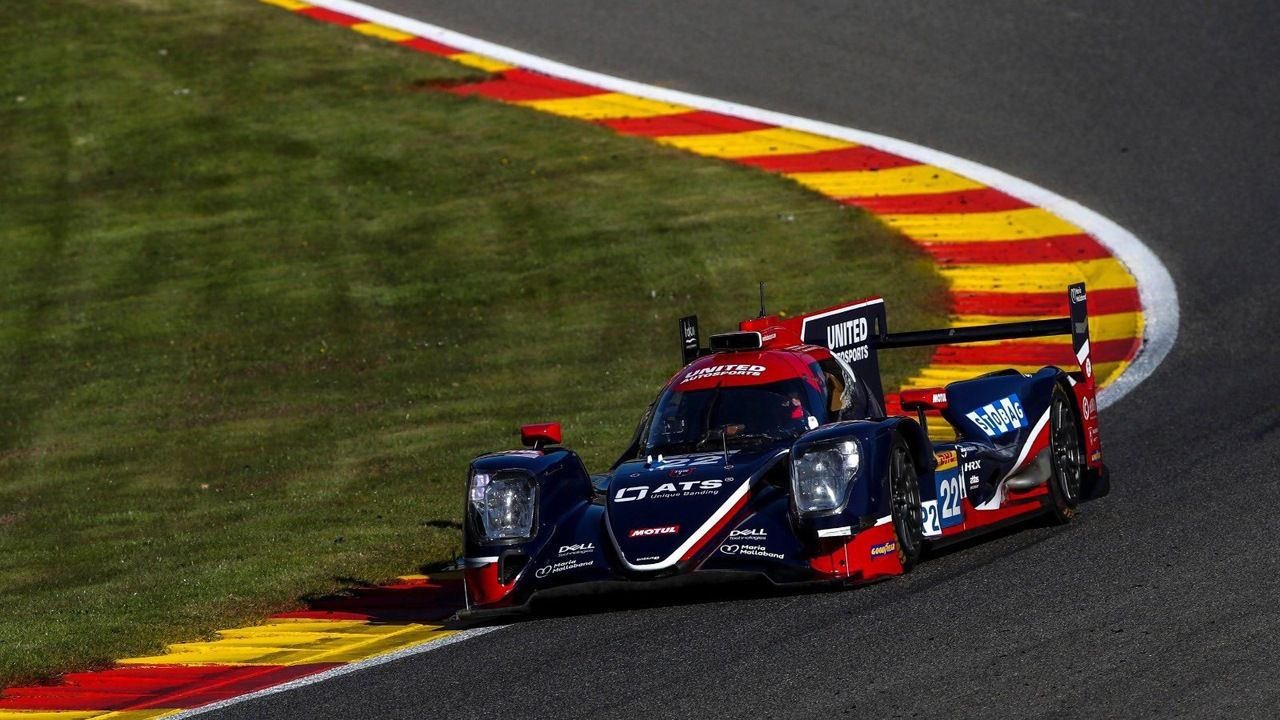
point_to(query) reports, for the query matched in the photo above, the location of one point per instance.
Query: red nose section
(540, 434)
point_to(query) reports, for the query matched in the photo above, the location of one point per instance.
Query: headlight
(504, 502)
(821, 475)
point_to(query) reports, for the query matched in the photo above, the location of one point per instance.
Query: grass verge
(262, 297)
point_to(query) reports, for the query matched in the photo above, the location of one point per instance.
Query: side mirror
(540, 434)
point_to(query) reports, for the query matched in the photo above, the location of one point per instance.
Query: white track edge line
(339, 671)
(1156, 289)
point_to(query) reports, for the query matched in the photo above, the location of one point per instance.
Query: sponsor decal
(883, 549)
(647, 558)
(680, 472)
(849, 332)
(946, 457)
(999, 417)
(939, 398)
(750, 551)
(756, 534)
(724, 371)
(681, 461)
(653, 531)
(577, 549)
(836, 531)
(971, 466)
(687, 488)
(561, 566)
(1088, 407)
(1077, 295)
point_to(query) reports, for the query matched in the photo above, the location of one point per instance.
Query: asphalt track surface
(1162, 599)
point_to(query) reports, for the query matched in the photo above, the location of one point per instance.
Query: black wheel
(1066, 450)
(904, 494)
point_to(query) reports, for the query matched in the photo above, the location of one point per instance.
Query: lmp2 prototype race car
(772, 453)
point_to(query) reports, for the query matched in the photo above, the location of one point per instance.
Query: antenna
(761, 298)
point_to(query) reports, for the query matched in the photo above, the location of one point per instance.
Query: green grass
(263, 294)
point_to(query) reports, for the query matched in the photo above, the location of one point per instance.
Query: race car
(772, 453)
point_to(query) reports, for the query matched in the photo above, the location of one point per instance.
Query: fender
(868, 501)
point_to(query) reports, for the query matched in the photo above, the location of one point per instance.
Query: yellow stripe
(287, 5)
(605, 106)
(1102, 274)
(942, 375)
(295, 642)
(381, 31)
(1117, 326)
(481, 62)
(940, 430)
(772, 141)
(910, 180)
(1010, 225)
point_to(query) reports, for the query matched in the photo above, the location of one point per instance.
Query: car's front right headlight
(504, 502)
(823, 474)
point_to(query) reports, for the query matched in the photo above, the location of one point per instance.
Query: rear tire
(1066, 452)
(904, 499)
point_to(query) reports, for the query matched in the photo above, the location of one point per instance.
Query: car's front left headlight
(822, 475)
(504, 503)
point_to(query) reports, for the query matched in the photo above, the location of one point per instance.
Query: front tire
(1066, 451)
(904, 496)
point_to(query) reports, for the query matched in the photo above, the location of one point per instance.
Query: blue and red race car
(772, 453)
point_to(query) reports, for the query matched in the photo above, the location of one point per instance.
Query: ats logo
(650, 532)
(680, 489)
(998, 418)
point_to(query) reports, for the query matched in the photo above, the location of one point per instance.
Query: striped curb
(1006, 254)
(331, 634)
(1003, 258)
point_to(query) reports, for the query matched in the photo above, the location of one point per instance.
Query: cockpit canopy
(735, 399)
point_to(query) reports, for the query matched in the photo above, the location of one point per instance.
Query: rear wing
(856, 331)
(1076, 324)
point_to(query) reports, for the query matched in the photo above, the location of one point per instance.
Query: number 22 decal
(950, 491)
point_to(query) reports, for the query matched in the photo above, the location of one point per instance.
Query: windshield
(685, 422)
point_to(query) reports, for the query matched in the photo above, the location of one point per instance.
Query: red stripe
(520, 85)
(1064, 248)
(700, 122)
(724, 521)
(980, 200)
(159, 686)
(854, 158)
(1101, 302)
(329, 16)
(430, 46)
(1059, 354)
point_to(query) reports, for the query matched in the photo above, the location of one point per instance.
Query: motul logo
(649, 532)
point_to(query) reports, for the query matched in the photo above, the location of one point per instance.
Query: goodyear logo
(883, 549)
(999, 417)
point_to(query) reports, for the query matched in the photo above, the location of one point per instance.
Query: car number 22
(948, 510)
